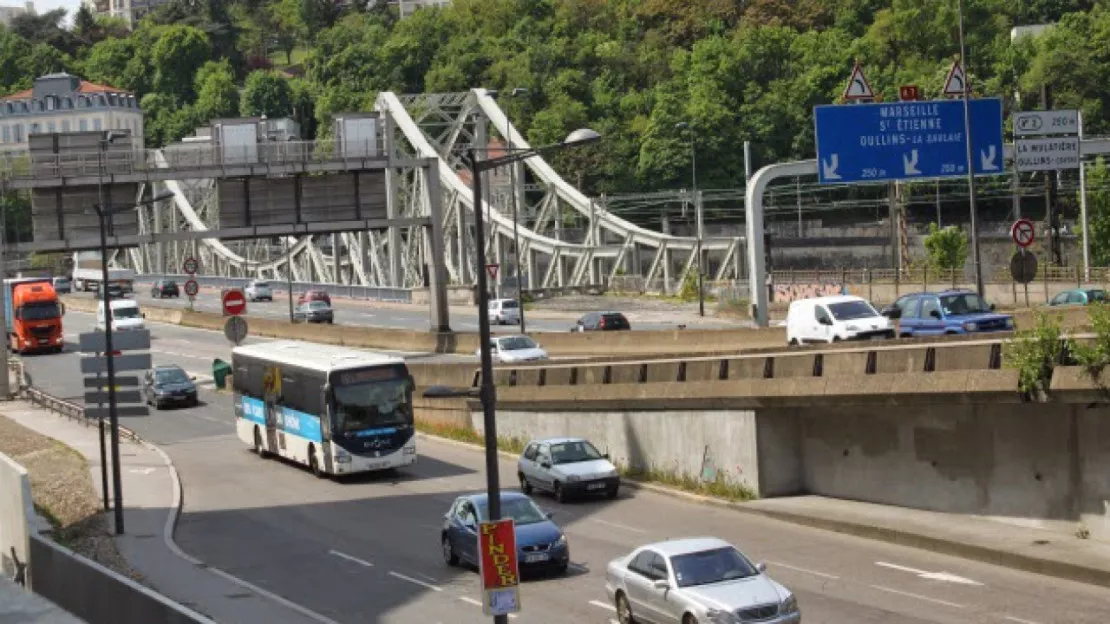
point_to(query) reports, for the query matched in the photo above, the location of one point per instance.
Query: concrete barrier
(15, 508)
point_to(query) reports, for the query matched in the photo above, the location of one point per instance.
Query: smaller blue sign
(907, 140)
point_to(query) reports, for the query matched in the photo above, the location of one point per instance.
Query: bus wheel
(313, 464)
(258, 444)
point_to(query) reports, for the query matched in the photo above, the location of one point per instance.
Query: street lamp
(487, 392)
(970, 158)
(517, 92)
(682, 125)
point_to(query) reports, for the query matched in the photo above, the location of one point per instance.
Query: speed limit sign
(190, 265)
(192, 288)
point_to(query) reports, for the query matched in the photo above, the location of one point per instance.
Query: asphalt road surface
(400, 316)
(367, 549)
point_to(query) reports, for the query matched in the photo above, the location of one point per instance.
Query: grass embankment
(64, 495)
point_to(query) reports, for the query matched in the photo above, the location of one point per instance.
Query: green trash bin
(220, 372)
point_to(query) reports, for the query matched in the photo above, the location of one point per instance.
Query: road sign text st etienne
(1046, 154)
(907, 140)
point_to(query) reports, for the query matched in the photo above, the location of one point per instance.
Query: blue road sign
(906, 140)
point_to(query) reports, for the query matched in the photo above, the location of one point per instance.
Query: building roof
(85, 87)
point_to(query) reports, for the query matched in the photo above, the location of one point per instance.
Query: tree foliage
(266, 93)
(946, 247)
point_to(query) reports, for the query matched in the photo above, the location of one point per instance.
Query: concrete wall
(15, 508)
(1094, 469)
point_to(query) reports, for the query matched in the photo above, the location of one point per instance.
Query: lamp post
(976, 257)
(487, 392)
(697, 210)
(104, 214)
(517, 92)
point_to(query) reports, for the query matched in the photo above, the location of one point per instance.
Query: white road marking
(1018, 620)
(620, 526)
(918, 596)
(469, 600)
(797, 569)
(602, 605)
(142, 471)
(415, 581)
(361, 562)
(932, 576)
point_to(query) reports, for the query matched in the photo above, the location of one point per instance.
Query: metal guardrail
(70, 410)
(367, 293)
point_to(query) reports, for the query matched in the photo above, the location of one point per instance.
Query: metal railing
(342, 291)
(70, 409)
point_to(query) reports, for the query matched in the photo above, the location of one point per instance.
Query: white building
(130, 10)
(8, 12)
(65, 103)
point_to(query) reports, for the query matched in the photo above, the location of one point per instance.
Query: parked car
(314, 295)
(567, 467)
(696, 580)
(164, 288)
(946, 312)
(313, 312)
(831, 319)
(169, 385)
(540, 543)
(1079, 296)
(504, 312)
(258, 290)
(62, 285)
(513, 349)
(602, 321)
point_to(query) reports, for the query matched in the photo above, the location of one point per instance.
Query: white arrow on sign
(932, 576)
(829, 168)
(987, 158)
(910, 163)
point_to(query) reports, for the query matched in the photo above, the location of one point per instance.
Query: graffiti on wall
(785, 293)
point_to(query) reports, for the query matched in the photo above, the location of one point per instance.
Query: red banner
(497, 551)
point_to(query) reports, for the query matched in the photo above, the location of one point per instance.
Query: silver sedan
(687, 581)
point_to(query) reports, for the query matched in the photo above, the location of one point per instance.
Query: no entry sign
(234, 302)
(1022, 232)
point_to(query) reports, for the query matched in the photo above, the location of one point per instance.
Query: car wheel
(624, 610)
(560, 493)
(314, 464)
(258, 444)
(449, 556)
(612, 492)
(524, 485)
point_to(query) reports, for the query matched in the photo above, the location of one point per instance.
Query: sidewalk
(152, 502)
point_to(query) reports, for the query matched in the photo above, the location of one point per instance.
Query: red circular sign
(1022, 232)
(234, 302)
(192, 288)
(190, 265)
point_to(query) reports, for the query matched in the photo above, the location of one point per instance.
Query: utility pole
(1052, 217)
(5, 385)
(976, 256)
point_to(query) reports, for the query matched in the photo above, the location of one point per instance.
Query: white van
(125, 315)
(504, 312)
(830, 319)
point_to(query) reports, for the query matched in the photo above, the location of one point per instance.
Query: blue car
(540, 543)
(946, 313)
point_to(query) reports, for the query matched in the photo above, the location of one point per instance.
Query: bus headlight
(342, 457)
(410, 450)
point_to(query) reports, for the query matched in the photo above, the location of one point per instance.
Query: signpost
(1032, 123)
(234, 302)
(235, 330)
(906, 140)
(498, 567)
(956, 82)
(190, 266)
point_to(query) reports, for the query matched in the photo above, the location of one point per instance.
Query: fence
(368, 293)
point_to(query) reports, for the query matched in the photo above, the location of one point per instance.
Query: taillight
(601, 325)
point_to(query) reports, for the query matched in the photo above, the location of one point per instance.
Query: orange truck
(34, 315)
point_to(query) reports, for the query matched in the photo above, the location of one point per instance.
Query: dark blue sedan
(540, 543)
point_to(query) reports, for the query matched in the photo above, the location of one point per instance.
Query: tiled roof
(86, 87)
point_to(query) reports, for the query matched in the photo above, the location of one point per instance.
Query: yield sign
(956, 81)
(932, 576)
(492, 270)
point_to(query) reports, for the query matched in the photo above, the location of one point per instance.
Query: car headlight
(561, 541)
(790, 605)
(852, 328)
(717, 616)
(971, 326)
(573, 478)
(161, 391)
(1009, 323)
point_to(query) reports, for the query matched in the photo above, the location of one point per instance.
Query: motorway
(367, 549)
(404, 316)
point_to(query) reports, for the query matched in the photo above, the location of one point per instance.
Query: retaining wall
(15, 509)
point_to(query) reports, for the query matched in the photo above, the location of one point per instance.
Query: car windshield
(851, 310)
(39, 311)
(128, 312)
(516, 343)
(521, 510)
(509, 304)
(171, 376)
(363, 406)
(573, 452)
(711, 566)
(169, 284)
(318, 305)
(1096, 295)
(963, 303)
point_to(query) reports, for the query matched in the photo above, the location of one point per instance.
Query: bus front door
(273, 421)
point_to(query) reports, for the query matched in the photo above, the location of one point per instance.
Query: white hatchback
(514, 349)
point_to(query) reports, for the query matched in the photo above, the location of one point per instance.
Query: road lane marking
(361, 562)
(415, 581)
(797, 569)
(602, 605)
(932, 576)
(616, 525)
(1018, 620)
(469, 600)
(918, 596)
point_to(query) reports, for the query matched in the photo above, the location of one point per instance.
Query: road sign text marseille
(908, 140)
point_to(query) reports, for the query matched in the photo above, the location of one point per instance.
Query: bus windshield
(370, 405)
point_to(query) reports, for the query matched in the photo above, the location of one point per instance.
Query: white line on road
(415, 581)
(893, 566)
(918, 596)
(602, 605)
(797, 569)
(620, 526)
(350, 558)
(469, 600)
(931, 576)
(1018, 620)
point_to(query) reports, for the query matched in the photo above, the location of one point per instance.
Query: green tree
(177, 54)
(1098, 212)
(266, 93)
(217, 94)
(946, 248)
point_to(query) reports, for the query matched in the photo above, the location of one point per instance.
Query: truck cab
(34, 316)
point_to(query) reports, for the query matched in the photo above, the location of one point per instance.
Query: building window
(84, 125)
(19, 133)
(51, 127)
(65, 125)
(35, 128)
(7, 134)
(82, 102)
(50, 102)
(67, 103)
(97, 125)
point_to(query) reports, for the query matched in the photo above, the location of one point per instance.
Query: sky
(44, 6)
